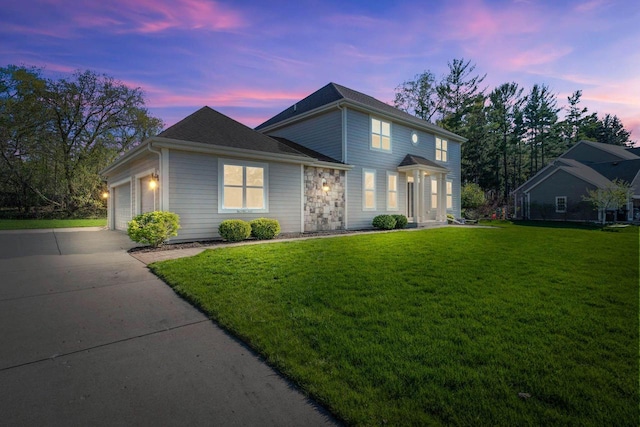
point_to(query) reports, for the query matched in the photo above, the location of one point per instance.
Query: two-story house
(331, 161)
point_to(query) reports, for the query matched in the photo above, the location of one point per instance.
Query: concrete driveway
(88, 336)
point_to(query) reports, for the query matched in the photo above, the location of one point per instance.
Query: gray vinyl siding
(321, 133)
(561, 183)
(193, 194)
(128, 171)
(362, 157)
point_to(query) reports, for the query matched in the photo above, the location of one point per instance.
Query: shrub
(153, 228)
(401, 221)
(234, 230)
(384, 222)
(264, 228)
(450, 218)
(472, 196)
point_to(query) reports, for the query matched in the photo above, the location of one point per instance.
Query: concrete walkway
(90, 337)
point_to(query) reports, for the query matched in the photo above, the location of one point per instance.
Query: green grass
(438, 327)
(23, 224)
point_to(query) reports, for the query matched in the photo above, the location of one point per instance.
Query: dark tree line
(56, 135)
(512, 134)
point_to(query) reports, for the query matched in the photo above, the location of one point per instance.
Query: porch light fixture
(325, 186)
(154, 181)
(105, 194)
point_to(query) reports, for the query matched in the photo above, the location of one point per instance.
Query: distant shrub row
(236, 230)
(389, 222)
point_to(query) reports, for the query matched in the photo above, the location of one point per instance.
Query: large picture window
(380, 135)
(369, 189)
(243, 187)
(441, 149)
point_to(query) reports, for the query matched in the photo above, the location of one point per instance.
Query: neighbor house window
(380, 135)
(441, 149)
(449, 195)
(434, 192)
(392, 191)
(369, 189)
(243, 186)
(561, 204)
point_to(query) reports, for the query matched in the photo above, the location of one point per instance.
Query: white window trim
(565, 204)
(396, 208)
(371, 147)
(364, 190)
(442, 151)
(244, 163)
(449, 196)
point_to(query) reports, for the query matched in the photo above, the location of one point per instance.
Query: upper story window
(414, 137)
(441, 149)
(380, 135)
(243, 186)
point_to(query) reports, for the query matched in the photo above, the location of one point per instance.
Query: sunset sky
(251, 59)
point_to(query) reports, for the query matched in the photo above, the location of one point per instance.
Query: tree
(94, 119)
(540, 116)
(22, 124)
(571, 129)
(609, 130)
(504, 116)
(459, 94)
(56, 135)
(613, 196)
(419, 96)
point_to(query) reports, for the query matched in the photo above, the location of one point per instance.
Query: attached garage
(122, 206)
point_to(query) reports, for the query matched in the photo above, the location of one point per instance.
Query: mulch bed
(201, 243)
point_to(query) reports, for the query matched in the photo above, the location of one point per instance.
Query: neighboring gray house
(556, 192)
(331, 161)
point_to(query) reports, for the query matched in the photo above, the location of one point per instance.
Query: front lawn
(520, 325)
(23, 224)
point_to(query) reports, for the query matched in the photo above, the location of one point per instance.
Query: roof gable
(333, 93)
(208, 126)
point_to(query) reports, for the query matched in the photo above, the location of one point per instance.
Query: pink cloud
(475, 20)
(590, 6)
(538, 55)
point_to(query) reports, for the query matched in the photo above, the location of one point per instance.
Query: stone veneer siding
(323, 210)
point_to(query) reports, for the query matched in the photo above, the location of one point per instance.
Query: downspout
(343, 111)
(159, 170)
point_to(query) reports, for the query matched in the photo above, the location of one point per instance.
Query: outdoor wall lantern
(154, 181)
(105, 194)
(325, 186)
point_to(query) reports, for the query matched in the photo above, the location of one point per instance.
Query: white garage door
(122, 208)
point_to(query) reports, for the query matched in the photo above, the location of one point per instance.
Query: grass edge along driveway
(520, 325)
(30, 224)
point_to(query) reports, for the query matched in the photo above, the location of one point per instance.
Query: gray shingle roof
(583, 171)
(306, 151)
(617, 150)
(413, 160)
(625, 170)
(333, 92)
(211, 127)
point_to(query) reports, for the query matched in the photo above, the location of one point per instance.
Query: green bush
(264, 228)
(472, 196)
(401, 221)
(384, 222)
(234, 230)
(450, 218)
(153, 228)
